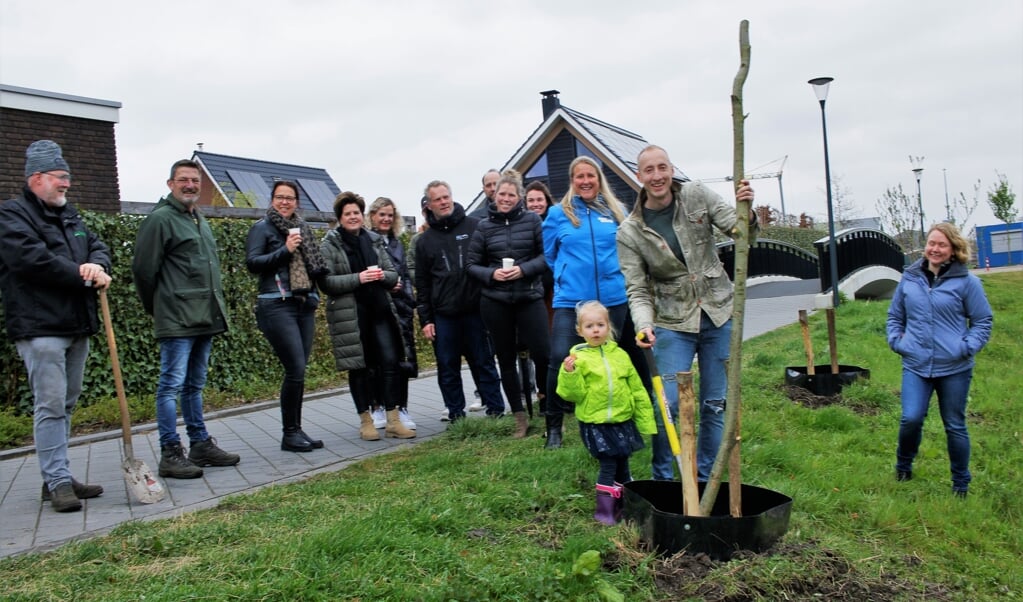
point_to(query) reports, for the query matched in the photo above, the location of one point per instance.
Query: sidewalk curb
(137, 429)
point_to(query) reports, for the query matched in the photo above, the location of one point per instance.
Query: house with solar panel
(229, 181)
(566, 134)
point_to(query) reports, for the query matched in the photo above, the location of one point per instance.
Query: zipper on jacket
(593, 249)
(610, 385)
(444, 256)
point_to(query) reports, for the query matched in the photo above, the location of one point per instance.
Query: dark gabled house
(239, 182)
(566, 134)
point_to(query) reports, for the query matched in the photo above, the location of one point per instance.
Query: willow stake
(730, 439)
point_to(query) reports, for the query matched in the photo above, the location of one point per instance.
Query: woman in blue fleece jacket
(580, 248)
(938, 321)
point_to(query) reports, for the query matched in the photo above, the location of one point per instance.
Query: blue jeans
(55, 366)
(465, 335)
(288, 325)
(674, 352)
(183, 363)
(952, 392)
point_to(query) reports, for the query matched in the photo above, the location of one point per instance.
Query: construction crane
(757, 176)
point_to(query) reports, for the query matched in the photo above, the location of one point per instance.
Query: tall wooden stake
(729, 451)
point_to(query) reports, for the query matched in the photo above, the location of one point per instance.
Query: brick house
(83, 127)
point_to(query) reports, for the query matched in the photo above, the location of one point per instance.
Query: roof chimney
(550, 102)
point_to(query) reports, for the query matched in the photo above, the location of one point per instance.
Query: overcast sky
(388, 95)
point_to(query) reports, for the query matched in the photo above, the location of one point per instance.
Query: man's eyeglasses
(186, 180)
(63, 177)
(282, 198)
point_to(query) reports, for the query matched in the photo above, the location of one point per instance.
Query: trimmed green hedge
(241, 360)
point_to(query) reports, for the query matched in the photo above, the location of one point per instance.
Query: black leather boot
(293, 441)
(553, 422)
(314, 443)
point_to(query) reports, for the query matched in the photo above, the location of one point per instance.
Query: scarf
(369, 297)
(307, 264)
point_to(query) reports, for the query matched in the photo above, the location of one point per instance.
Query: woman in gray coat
(361, 319)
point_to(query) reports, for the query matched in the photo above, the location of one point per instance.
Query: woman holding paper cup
(361, 318)
(282, 251)
(506, 255)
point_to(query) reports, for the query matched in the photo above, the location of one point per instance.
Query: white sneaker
(406, 419)
(476, 406)
(444, 417)
(379, 418)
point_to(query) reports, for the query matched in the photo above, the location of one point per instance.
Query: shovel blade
(142, 482)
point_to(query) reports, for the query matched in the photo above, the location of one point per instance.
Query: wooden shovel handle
(116, 366)
(804, 325)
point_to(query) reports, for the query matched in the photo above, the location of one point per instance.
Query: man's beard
(58, 202)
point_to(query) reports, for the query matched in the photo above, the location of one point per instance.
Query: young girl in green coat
(611, 404)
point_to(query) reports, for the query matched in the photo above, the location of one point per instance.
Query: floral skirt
(613, 439)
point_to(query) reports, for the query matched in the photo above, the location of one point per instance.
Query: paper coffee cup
(294, 230)
(507, 263)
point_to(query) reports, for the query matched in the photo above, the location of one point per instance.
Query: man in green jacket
(177, 275)
(679, 294)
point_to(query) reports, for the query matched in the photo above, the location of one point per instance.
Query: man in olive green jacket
(177, 275)
(679, 294)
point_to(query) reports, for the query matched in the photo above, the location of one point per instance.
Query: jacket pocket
(699, 226)
(670, 297)
(193, 307)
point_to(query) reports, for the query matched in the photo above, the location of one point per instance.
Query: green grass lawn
(476, 515)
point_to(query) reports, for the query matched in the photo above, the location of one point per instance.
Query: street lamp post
(917, 163)
(820, 88)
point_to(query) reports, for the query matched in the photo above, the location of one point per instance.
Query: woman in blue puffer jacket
(938, 321)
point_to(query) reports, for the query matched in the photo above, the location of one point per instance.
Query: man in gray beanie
(50, 268)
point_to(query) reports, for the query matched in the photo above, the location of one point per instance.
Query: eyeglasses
(63, 177)
(186, 180)
(282, 198)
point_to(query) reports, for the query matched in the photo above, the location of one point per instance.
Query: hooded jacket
(41, 249)
(584, 258)
(177, 272)
(516, 235)
(606, 388)
(442, 284)
(939, 328)
(664, 291)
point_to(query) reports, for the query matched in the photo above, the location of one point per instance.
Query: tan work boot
(395, 428)
(367, 431)
(521, 425)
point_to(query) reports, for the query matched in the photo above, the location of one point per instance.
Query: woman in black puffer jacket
(506, 255)
(385, 220)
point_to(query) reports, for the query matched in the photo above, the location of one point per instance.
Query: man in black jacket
(449, 303)
(50, 268)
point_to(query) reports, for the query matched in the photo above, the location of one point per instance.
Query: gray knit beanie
(44, 155)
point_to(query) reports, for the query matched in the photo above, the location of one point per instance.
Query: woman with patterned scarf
(282, 251)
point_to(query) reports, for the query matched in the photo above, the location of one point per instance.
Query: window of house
(539, 169)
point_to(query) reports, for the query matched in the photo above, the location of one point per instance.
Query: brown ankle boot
(521, 425)
(395, 428)
(366, 430)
